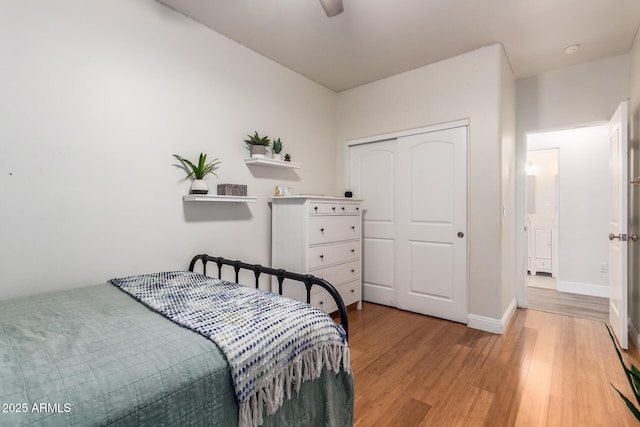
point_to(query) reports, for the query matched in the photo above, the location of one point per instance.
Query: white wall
(582, 94)
(508, 124)
(574, 96)
(583, 204)
(96, 97)
(466, 86)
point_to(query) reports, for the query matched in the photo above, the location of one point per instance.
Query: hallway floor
(542, 295)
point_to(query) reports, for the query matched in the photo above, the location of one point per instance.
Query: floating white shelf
(272, 163)
(216, 198)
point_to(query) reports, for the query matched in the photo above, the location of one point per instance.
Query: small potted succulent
(257, 144)
(287, 157)
(276, 148)
(198, 172)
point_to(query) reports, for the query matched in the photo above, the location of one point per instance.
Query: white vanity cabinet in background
(321, 236)
(542, 250)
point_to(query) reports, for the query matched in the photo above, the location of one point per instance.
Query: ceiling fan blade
(332, 7)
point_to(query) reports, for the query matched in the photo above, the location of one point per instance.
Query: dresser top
(313, 197)
(303, 197)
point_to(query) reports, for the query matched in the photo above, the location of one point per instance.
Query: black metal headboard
(307, 279)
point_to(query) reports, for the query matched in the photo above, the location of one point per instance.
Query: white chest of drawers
(320, 236)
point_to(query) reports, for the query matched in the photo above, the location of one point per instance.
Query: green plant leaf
(632, 376)
(255, 139)
(634, 373)
(186, 164)
(630, 404)
(202, 169)
(277, 146)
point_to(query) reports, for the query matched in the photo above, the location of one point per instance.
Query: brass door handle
(634, 237)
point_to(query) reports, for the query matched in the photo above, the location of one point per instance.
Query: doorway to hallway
(567, 217)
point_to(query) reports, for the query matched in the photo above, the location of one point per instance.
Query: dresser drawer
(326, 229)
(350, 292)
(348, 209)
(338, 274)
(323, 301)
(321, 256)
(321, 208)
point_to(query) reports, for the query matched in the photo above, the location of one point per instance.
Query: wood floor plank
(546, 370)
(563, 406)
(534, 405)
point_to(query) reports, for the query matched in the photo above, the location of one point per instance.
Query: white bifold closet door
(415, 221)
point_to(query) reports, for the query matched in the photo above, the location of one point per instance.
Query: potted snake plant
(198, 172)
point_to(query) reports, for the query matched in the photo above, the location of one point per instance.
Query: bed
(101, 355)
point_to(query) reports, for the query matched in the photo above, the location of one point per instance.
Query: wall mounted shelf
(216, 198)
(272, 163)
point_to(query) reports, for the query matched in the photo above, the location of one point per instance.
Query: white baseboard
(489, 324)
(583, 288)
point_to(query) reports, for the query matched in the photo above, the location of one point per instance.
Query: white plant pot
(276, 156)
(199, 186)
(258, 151)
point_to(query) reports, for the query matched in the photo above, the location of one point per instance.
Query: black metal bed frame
(307, 279)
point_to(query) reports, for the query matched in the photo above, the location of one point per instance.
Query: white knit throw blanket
(272, 343)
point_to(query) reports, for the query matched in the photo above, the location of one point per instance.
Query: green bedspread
(95, 356)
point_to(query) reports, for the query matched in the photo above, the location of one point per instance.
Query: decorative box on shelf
(232, 190)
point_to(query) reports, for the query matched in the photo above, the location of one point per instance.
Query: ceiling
(374, 39)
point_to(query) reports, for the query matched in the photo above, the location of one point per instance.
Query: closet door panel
(372, 178)
(431, 256)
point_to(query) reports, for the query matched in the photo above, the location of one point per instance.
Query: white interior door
(618, 181)
(372, 177)
(431, 257)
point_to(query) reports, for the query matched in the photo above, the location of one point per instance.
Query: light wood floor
(585, 306)
(546, 369)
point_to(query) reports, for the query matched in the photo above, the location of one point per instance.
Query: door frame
(521, 275)
(409, 132)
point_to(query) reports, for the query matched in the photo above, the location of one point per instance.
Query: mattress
(95, 356)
